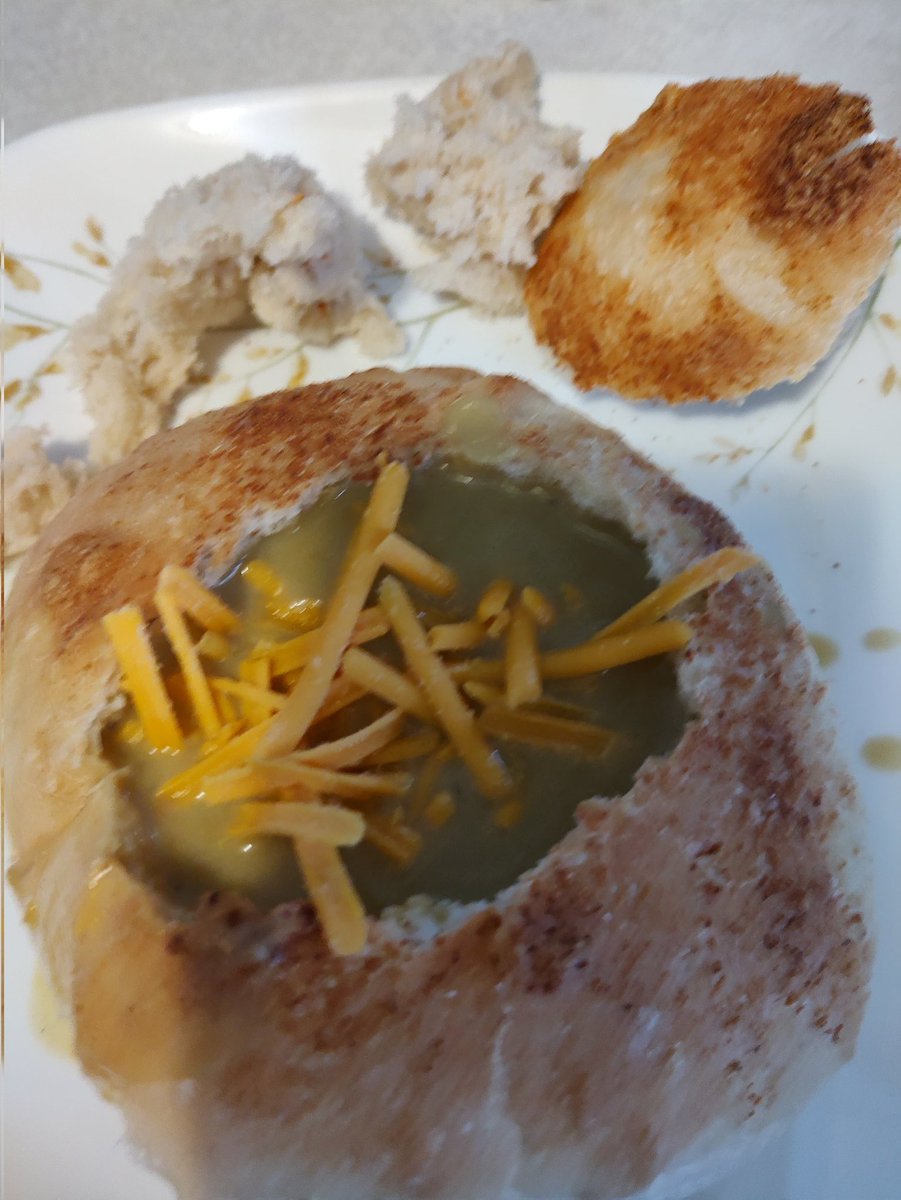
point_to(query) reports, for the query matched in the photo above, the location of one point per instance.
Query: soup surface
(486, 527)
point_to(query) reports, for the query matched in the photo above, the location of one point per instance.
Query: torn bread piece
(718, 245)
(35, 487)
(259, 238)
(476, 172)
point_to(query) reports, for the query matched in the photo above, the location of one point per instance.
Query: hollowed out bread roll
(669, 981)
(718, 244)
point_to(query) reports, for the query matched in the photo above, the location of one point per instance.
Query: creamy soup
(485, 527)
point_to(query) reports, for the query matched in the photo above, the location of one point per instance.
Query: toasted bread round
(719, 243)
(664, 986)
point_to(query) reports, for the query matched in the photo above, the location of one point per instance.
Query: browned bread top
(718, 243)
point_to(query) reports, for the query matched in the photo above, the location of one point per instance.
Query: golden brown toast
(719, 243)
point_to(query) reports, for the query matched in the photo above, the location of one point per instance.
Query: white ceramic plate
(809, 473)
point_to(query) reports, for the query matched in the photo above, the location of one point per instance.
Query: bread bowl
(661, 988)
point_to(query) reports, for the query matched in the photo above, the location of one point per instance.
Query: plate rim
(335, 92)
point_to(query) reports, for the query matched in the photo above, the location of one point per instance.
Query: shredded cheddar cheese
(494, 600)
(341, 694)
(416, 566)
(261, 722)
(299, 613)
(522, 666)
(357, 577)
(459, 635)
(440, 690)
(132, 731)
(380, 679)
(509, 814)
(189, 782)
(439, 809)
(359, 786)
(334, 896)
(214, 646)
(260, 697)
(428, 778)
(398, 841)
(252, 779)
(197, 601)
(298, 651)
(227, 733)
(405, 748)
(498, 625)
(188, 659)
(539, 606)
(228, 710)
(539, 729)
(351, 750)
(142, 679)
(308, 820)
(590, 657)
(482, 693)
(254, 675)
(262, 577)
(268, 775)
(718, 567)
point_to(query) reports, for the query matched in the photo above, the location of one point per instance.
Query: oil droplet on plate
(824, 648)
(53, 1028)
(882, 639)
(883, 753)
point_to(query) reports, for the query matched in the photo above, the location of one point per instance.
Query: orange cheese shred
(440, 809)
(417, 745)
(196, 600)
(358, 574)
(268, 775)
(539, 606)
(341, 694)
(334, 896)
(539, 729)
(213, 645)
(411, 563)
(188, 659)
(305, 819)
(599, 654)
(384, 681)
(189, 783)
(398, 841)
(494, 600)
(353, 749)
(522, 666)
(142, 679)
(440, 690)
(457, 635)
(263, 698)
(297, 652)
(719, 567)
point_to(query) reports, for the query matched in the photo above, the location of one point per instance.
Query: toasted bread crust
(718, 244)
(683, 966)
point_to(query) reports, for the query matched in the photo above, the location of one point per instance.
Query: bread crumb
(258, 238)
(34, 487)
(476, 172)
